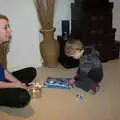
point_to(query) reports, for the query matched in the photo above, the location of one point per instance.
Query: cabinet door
(3, 53)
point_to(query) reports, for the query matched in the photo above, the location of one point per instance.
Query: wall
(25, 37)
(24, 47)
(116, 18)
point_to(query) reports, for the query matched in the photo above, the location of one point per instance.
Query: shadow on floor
(19, 112)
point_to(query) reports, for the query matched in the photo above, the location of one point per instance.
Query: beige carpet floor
(59, 104)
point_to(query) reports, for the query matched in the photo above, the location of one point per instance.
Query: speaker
(65, 29)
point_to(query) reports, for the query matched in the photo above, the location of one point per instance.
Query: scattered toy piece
(79, 96)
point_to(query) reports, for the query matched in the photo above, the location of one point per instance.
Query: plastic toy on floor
(62, 83)
(79, 96)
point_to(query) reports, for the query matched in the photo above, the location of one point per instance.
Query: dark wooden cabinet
(92, 1)
(91, 21)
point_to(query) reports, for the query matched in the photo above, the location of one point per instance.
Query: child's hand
(72, 81)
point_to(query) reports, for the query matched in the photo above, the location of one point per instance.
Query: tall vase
(49, 48)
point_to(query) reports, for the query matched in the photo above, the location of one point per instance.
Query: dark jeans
(86, 83)
(18, 97)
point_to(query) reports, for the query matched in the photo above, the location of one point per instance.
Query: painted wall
(25, 43)
(116, 18)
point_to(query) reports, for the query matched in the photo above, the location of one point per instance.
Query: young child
(90, 71)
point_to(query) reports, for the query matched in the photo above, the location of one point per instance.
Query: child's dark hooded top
(90, 65)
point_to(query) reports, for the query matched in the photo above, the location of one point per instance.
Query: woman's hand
(19, 84)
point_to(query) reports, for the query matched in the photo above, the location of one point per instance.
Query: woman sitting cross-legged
(13, 86)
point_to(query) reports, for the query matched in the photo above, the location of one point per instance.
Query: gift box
(35, 90)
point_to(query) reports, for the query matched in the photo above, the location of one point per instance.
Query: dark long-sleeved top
(90, 65)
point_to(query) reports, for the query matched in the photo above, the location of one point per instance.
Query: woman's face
(5, 31)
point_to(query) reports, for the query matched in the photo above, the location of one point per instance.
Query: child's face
(77, 54)
(73, 51)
